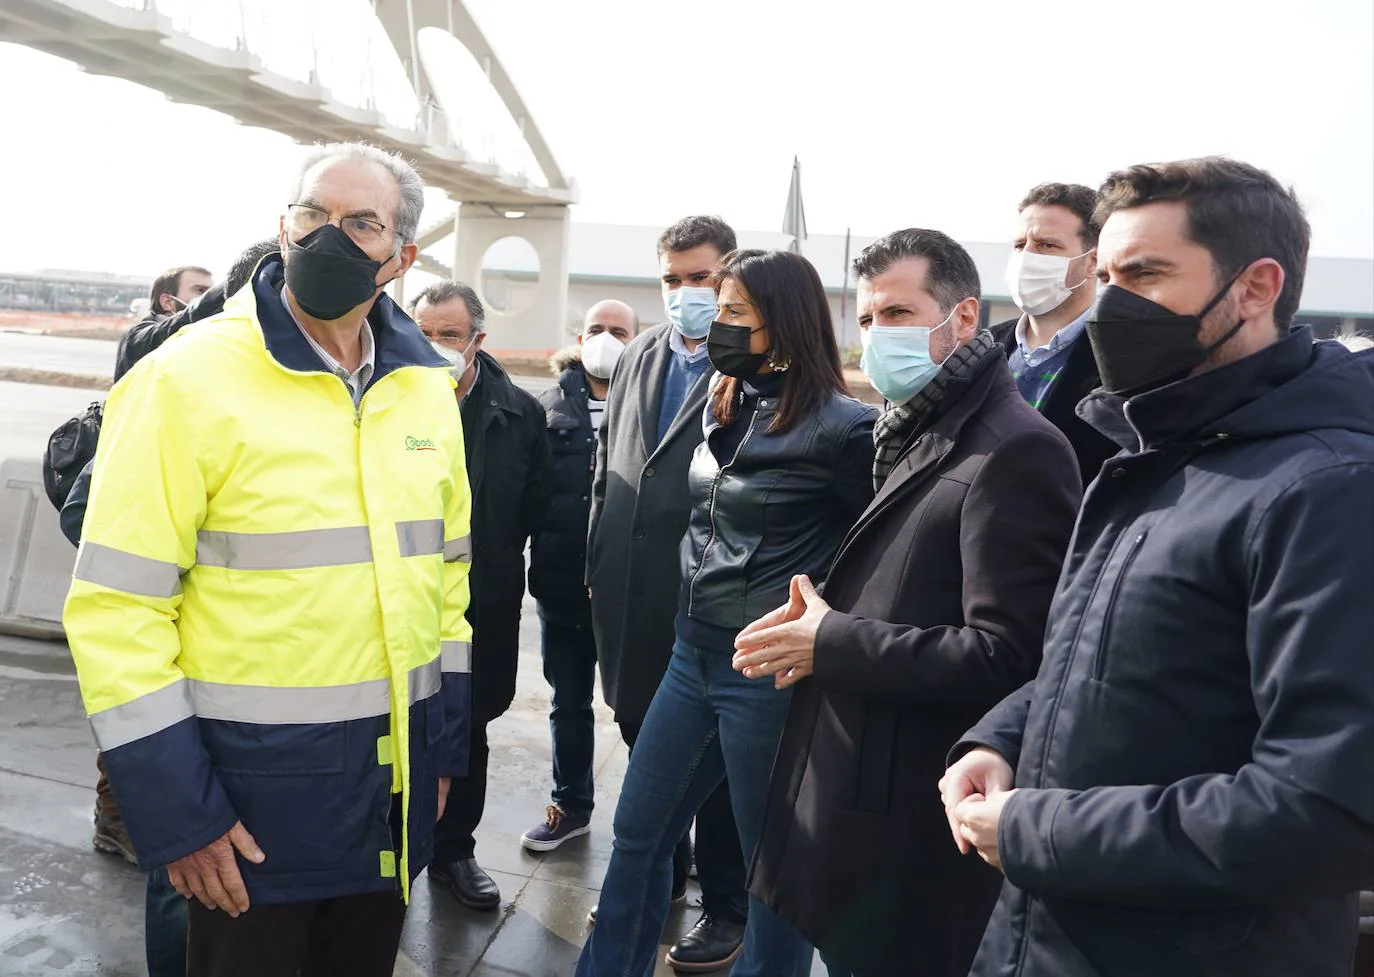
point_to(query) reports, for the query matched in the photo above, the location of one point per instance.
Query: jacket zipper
(1099, 663)
(711, 508)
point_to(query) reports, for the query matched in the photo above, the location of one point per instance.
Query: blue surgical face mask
(691, 310)
(897, 359)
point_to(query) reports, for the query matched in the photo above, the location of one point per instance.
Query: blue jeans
(570, 669)
(706, 720)
(164, 927)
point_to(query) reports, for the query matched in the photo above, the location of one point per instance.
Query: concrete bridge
(412, 76)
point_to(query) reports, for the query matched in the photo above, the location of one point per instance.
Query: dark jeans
(705, 720)
(164, 927)
(570, 669)
(467, 799)
(353, 935)
(720, 863)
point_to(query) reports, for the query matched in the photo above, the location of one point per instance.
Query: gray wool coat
(640, 508)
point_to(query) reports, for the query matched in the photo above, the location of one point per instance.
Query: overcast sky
(938, 115)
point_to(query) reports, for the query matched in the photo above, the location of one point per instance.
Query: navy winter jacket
(1196, 756)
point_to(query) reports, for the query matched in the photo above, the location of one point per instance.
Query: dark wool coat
(939, 596)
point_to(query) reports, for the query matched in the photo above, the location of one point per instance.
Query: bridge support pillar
(528, 316)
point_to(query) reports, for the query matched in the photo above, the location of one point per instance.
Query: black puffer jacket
(778, 505)
(558, 551)
(1196, 755)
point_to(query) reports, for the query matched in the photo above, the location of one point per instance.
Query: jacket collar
(494, 387)
(964, 396)
(397, 341)
(1190, 409)
(923, 457)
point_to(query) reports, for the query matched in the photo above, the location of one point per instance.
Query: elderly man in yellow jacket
(267, 612)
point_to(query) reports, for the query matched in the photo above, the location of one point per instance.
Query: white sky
(939, 115)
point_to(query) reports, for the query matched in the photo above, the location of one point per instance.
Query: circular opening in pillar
(510, 276)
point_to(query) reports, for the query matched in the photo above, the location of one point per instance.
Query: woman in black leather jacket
(785, 469)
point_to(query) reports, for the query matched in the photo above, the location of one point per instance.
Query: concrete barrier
(35, 558)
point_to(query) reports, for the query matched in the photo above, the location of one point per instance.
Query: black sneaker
(712, 944)
(557, 828)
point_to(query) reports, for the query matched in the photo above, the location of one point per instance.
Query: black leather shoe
(713, 944)
(468, 883)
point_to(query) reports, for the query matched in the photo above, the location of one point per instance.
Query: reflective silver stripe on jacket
(458, 550)
(456, 656)
(127, 572)
(277, 705)
(424, 681)
(266, 704)
(300, 550)
(144, 716)
(420, 537)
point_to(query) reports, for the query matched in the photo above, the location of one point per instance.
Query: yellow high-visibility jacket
(267, 611)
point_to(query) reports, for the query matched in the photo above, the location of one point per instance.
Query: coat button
(639, 535)
(584, 498)
(763, 403)
(648, 473)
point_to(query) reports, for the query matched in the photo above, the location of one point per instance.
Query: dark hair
(951, 275)
(1071, 196)
(693, 232)
(169, 283)
(246, 263)
(1238, 212)
(791, 301)
(446, 290)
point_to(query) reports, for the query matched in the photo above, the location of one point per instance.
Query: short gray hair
(407, 180)
(446, 290)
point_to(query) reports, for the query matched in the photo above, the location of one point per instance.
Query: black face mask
(329, 275)
(1140, 345)
(727, 347)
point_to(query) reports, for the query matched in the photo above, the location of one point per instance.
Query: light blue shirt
(1036, 370)
(679, 347)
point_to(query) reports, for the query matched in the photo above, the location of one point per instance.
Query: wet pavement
(66, 911)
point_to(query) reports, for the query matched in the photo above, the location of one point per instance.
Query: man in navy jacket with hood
(1194, 763)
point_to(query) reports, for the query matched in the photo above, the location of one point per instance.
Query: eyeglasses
(302, 219)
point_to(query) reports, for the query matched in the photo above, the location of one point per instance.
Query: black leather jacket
(779, 506)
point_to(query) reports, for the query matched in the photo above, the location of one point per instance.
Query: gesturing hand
(212, 874)
(782, 643)
(978, 773)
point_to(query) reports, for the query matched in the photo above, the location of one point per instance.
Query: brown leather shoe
(111, 838)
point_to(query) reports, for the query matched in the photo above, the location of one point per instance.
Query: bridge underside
(143, 47)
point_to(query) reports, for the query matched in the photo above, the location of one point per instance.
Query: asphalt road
(88, 357)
